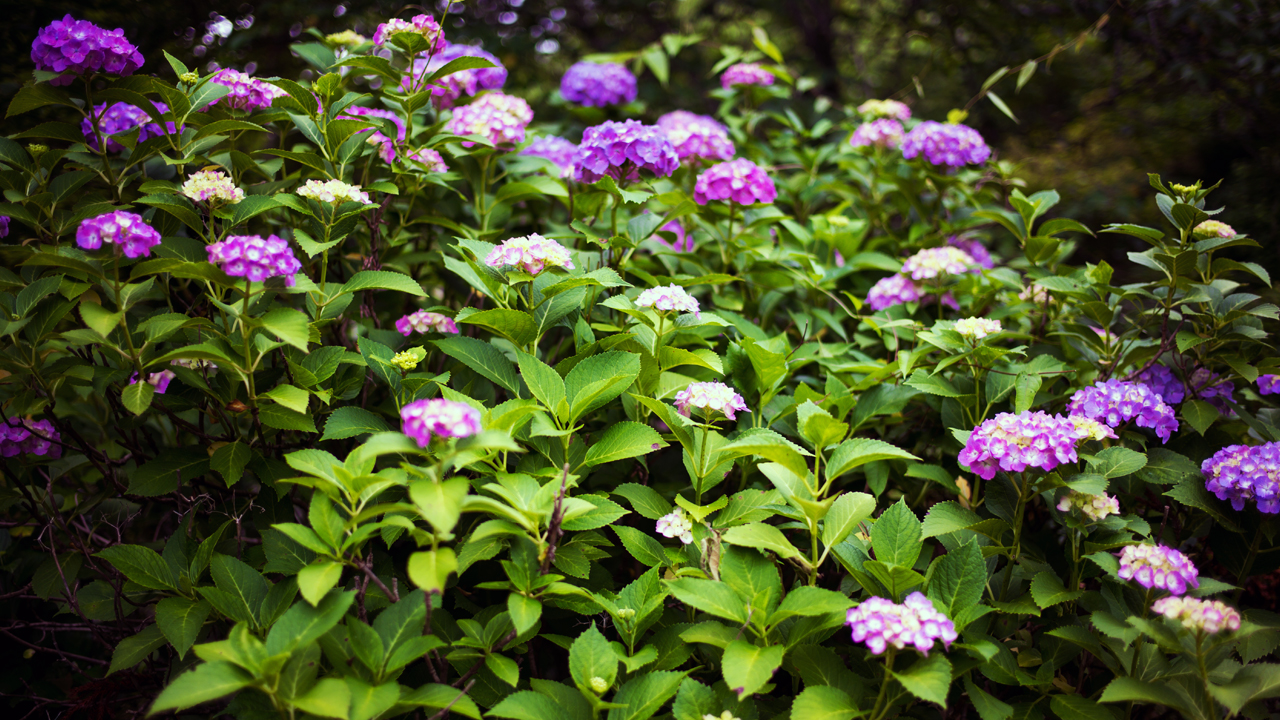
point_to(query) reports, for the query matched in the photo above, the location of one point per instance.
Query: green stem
(1248, 563)
(1017, 534)
(880, 709)
(1211, 711)
(702, 462)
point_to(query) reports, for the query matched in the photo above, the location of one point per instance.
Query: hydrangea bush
(322, 401)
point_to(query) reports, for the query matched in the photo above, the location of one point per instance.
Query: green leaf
(1127, 689)
(948, 517)
(644, 500)
(624, 440)
(524, 611)
(527, 705)
(208, 681)
(928, 679)
(328, 698)
(282, 418)
(141, 565)
(290, 325)
(641, 546)
(748, 667)
(303, 624)
(808, 601)
(958, 578)
(1117, 461)
(99, 319)
(137, 397)
(430, 569)
(245, 586)
(517, 326)
(440, 502)
(1000, 105)
(543, 381)
(1047, 590)
(761, 537)
(371, 701)
(598, 380)
(591, 656)
(988, 707)
(252, 206)
(709, 596)
(483, 358)
(933, 384)
(1076, 707)
(230, 461)
(896, 535)
(846, 512)
(166, 471)
(350, 421)
(382, 280)
(857, 452)
(134, 649)
(36, 96)
(822, 702)
(769, 445)
(317, 579)
(1199, 414)
(181, 620)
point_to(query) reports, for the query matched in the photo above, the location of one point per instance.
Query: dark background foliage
(1185, 89)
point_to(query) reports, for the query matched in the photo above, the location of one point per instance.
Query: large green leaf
(821, 702)
(928, 679)
(958, 578)
(624, 440)
(642, 697)
(896, 535)
(141, 565)
(857, 452)
(598, 380)
(482, 358)
(747, 667)
(591, 657)
(208, 681)
(134, 649)
(181, 620)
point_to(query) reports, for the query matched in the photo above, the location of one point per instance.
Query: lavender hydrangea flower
(1240, 473)
(745, 74)
(711, 398)
(159, 380)
(531, 253)
(598, 84)
(35, 437)
(1157, 566)
(431, 159)
(212, 186)
(499, 118)
(423, 321)
(740, 181)
(4, 226)
(892, 290)
(1267, 384)
(125, 230)
(247, 93)
(946, 144)
(1202, 616)
(882, 133)
(1211, 388)
(676, 524)
(1116, 402)
(930, 263)
(667, 299)
(878, 623)
(1163, 382)
(78, 47)
(120, 118)
(423, 25)
(256, 259)
(1095, 507)
(621, 150)
(891, 109)
(386, 146)
(447, 90)
(1013, 443)
(684, 240)
(556, 149)
(975, 249)
(424, 419)
(697, 136)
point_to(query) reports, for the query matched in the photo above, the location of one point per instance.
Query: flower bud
(189, 78)
(599, 685)
(36, 150)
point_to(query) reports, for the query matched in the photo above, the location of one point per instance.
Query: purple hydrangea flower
(446, 91)
(4, 226)
(878, 623)
(697, 136)
(882, 133)
(745, 74)
(710, 397)
(929, 263)
(946, 144)
(37, 437)
(159, 380)
(684, 241)
(125, 230)
(621, 150)
(1116, 402)
(386, 146)
(423, 25)
(1165, 384)
(500, 118)
(740, 181)
(1240, 473)
(892, 290)
(1013, 443)
(423, 419)
(1157, 566)
(975, 249)
(432, 159)
(423, 321)
(247, 93)
(1211, 388)
(256, 259)
(79, 47)
(1267, 384)
(120, 118)
(531, 253)
(598, 84)
(556, 149)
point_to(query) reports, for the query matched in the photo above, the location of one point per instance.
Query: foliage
(320, 512)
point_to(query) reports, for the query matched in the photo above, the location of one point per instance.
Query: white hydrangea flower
(334, 192)
(676, 524)
(668, 298)
(977, 328)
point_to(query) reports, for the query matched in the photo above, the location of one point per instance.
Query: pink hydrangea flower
(1240, 473)
(429, 158)
(36, 437)
(946, 144)
(424, 419)
(78, 47)
(247, 93)
(124, 230)
(556, 149)
(932, 262)
(882, 133)
(256, 259)
(424, 321)
(386, 146)
(888, 109)
(879, 623)
(1013, 443)
(598, 84)
(711, 398)
(1206, 616)
(1116, 402)
(667, 299)
(621, 150)
(499, 118)
(423, 25)
(697, 136)
(531, 253)
(159, 380)
(740, 181)
(1157, 566)
(745, 74)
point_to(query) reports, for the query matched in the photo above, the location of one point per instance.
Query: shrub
(357, 404)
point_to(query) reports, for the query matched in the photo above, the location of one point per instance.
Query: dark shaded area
(1185, 89)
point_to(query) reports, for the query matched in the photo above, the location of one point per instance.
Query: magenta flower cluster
(36, 437)
(531, 253)
(247, 93)
(621, 150)
(1013, 443)
(740, 181)
(556, 149)
(432, 159)
(120, 118)
(1240, 473)
(125, 230)
(598, 84)
(879, 623)
(882, 133)
(745, 74)
(499, 118)
(79, 47)
(386, 146)
(424, 321)
(1116, 402)
(1269, 384)
(1157, 566)
(946, 144)
(697, 136)
(447, 90)
(437, 417)
(256, 259)
(684, 240)
(423, 25)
